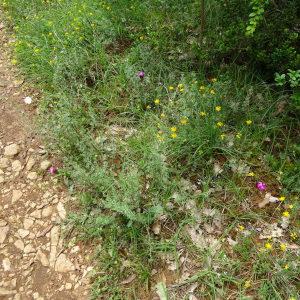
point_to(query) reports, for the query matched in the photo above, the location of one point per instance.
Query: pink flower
(52, 170)
(141, 74)
(261, 186)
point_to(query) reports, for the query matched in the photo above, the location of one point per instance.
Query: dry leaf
(129, 279)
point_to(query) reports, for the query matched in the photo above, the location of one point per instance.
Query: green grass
(134, 162)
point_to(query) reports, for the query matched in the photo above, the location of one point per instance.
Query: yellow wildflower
(268, 246)
(180, 86)
(213, 80)
(202, 88)
(281, 198)
(171, 88)
(222, 136)
(14, 61)
(142, 37)
(249, 122)
(173, 129)
(220, 124)
(202, 113)
(174, 135)
(282, 247)
(286, 267)
(291, 206)
(241, 227)
(212, 92)
(286, 214)
(148, 107)
(156, 101)
(247, 284)
(251, 174)
(238, 135)
(218, 108)
(162, 115)
(293, 235)
(184, 121)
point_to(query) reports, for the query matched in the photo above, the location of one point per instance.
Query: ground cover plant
(185, 162)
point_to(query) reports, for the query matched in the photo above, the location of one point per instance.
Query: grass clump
(164, 165)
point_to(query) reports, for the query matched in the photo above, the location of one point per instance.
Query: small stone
(4, 292)
(4, 162)
(28, 222)
(68, 286)
(11, 150)
(45, 165)
(23, 233)
(19, 244)
(29, 249)
(16, 195)
(42, 258)
(61, 210)
(32, 176)
(30, 163)
(3, 233)
(2, 223)
(17, 297)
(63, 264)
(1, 179)
(47, 212)
(6, 264)
(16, 166)
(37, 214)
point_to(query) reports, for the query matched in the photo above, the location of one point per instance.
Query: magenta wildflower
(261, 186)
(141, 74)
(52, 170)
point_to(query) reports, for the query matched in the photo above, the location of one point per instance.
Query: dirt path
(34, 262)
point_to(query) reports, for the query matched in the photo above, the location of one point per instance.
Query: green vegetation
(165, 164)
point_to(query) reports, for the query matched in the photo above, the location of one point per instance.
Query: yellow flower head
(220, 124)
(184, 121)
(142, 37)
(202, 88)
(173, 129)
(247, 284)
(171, 88)
(222, 136)
(238, 135)
(251, 174)
(202, 113)
(218, 108)
(282, 247)
(162, 115)
(293, 235)
(281, 198)
(180, 86)
(286, 267)
(290, 206)
(212, 92)
(241, 228)
(268, 246)
(286, 214)
(249, 122)
(156, 101)
(174, 135)
(148, 107)
(213, 80)
(14, 61)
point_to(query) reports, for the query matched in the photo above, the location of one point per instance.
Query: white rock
(23, 233)
(19, 244)
(63, 264)
(1, 179)
(32, 176)
(45, 165)
(11, 150)
(4, 292)
(29, 249)
(28, 222)
(27, 100)
(16, 195)
(2, 223)
(4, 162)
(16, 166)
(3, 233)
(47, 212)
(6, 264)
(68, 286)
(42, 258)
(37, 214)
(61, 210)
(30, 163)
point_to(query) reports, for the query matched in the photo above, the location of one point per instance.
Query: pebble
(16, 166)
(61, 210)
(32, 176)
(45, 165)
(63, 264)
(16, 195)
(3, 233)
(4, 162)
(6, 264)
(11, 150)
(23, 233)
(30, 163)
(19, 244)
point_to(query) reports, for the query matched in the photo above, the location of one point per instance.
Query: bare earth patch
(34, 260)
